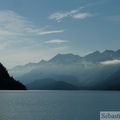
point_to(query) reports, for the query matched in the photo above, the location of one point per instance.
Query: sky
(32, 30)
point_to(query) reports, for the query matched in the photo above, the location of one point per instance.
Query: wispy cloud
(13, 24)
(6, 32)
(76, 14)
(111, 62)
(115, 19)
(50, 32)
(56, 41)
(82, 15)
(15, 29)
(20, 38)
(58, 16)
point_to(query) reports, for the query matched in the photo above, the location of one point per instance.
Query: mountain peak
(42, 62)
(109, 51)
(65, 58)
(118, 51)
(68, 55)
(94, 54)
(97, 52)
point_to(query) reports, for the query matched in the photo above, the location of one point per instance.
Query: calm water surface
(57, 105)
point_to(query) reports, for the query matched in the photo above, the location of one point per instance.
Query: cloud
(6, 33)
(43, 31)
(17, 30)
(111, 62)
(12, 23)
(115, 19)
(49, 32)
(76, 14)
(82, 15)
(56, 41)
(20, 39)
(58, 16)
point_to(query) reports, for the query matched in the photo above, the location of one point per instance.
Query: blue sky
(32, 30)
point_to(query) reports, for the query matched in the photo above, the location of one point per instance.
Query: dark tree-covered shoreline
(7, 82)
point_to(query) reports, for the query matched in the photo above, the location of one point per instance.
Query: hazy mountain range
(72, 71)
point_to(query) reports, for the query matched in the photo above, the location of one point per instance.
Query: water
(57, 105)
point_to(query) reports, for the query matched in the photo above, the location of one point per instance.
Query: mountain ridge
(74, 69)
(77, 58)
(111, 83)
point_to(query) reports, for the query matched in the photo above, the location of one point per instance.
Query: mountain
(60, 59)
(51, 84)
(68, 79)
(72, 69)
(60, 85)
(7, 82)
(93, 57)
(117, 54)
(37, 84)
(65, 59)
(111, 83)
(55, 78)
(97, 57)
(109, 53)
